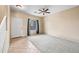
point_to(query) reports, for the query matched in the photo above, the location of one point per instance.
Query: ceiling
(31, 9)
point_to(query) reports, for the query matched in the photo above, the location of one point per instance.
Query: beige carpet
(50, 44)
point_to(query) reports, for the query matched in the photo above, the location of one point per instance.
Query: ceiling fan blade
(46, 9)
(47, 12)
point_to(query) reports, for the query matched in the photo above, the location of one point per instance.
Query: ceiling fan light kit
(19, 6)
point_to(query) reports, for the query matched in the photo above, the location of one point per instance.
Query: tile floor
(22, 45)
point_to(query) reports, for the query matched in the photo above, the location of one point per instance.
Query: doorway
(32, 27)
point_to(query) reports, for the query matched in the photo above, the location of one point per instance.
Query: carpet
(51, 44)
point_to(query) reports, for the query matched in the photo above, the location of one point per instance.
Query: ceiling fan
(44, 11)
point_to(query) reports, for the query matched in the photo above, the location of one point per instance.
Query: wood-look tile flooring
(22, 45)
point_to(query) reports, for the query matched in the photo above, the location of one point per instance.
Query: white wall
(64, 24)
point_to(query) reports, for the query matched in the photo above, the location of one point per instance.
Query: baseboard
(18, 37)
